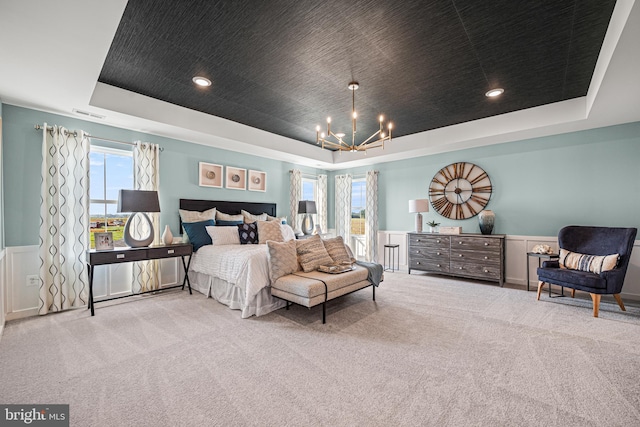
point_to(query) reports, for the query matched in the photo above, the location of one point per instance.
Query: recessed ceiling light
(494, 92)
(201, 81)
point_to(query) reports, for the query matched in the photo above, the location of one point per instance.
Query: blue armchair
(592, 241)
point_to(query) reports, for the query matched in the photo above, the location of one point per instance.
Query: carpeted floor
(430, 351)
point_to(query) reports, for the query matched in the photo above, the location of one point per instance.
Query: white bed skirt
(234, 297)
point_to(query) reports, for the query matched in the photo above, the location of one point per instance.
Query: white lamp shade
(418, 205)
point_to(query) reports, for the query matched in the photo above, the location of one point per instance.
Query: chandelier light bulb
(355, 115)
(328, 119)
(382, 134)
(322, 135)
(390, 126)
(381, 118)
(318, 128)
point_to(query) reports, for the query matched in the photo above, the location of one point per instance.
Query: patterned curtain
(343, 207)
(371, 218)
(295, 194)
(64, 220)
(146, 176)
(321, 203)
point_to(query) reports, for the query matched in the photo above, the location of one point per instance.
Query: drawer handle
(460, 255)
(486, 271)
(486, 244)
(437, 265)
(437, 253)
(120, 256)
(437, 241)
(417, 262)
(460, 268)
(418, 240)
(170, 251)
(417, 252)
(459, 243)
(486, 257)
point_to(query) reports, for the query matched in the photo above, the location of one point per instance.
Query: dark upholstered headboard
(230, 208)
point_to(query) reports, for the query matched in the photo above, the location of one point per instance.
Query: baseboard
(15, 315)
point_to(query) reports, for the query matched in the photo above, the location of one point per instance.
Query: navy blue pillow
(248, 233)
(227, 223)
(197, 233)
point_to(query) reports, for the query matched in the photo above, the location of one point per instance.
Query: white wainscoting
(21, 299)
(3, 280)
(516, 248)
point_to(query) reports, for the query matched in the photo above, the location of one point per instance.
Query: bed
(234, 275)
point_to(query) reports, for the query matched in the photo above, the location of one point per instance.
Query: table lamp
(138, 202)
(417, 206)
(307, 207)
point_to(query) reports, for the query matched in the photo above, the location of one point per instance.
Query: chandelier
(374, 141)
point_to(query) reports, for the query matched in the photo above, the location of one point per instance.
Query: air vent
(88, 114)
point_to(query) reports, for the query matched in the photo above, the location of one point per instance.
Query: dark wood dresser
(475, 256)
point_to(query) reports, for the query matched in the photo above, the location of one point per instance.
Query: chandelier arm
(368, 139)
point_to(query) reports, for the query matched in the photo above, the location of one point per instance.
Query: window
(110, 170)
(358, 203)
(309, 189)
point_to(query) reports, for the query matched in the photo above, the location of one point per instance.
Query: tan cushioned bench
(308, 289)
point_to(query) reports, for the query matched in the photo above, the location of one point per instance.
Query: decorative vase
(486, 219)
(167, 237)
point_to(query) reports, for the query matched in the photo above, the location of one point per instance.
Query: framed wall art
(210, 175)
(236, 178)
(257, 181)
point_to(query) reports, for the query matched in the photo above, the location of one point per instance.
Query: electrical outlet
(33, 280)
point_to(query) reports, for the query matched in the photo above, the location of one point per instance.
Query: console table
(118, 255)
(477, 256)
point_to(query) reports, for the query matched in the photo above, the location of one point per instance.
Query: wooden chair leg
(573, 293)
(596, 303)
(540, 285)
(619, 300)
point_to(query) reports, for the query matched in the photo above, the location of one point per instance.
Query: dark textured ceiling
(283, 66)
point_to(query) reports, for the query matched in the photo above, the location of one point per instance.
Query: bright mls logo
(36, 415)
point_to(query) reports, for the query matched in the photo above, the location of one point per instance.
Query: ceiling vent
(88, 114)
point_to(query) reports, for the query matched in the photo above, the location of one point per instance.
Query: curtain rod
(39, 127)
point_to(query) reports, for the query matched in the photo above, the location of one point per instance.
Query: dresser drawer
(476, 257)
(480, 271)
(476, 244)
(436, 242)
(107, 257)
(429, 265)
(429, 252)
(170, 251)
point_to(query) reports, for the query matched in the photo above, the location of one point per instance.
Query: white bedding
(244, 266)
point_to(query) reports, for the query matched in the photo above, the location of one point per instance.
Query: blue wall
(587, 177)
(540, 185)
(178, 171)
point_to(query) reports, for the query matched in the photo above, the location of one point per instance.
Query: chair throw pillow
(337, 250)
(269, 230)
(593, 263)
(198, 236)
(248, 233)
(224, 235)
(312, 254)
(282, 259)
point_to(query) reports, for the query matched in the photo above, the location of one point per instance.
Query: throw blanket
(374, 271)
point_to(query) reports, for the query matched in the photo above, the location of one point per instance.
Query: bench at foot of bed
(315, 287)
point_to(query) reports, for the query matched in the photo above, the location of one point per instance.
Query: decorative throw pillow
(312, 254)
(282, 219)
(593, 263)
(195, 216)
(248, 233)
(197, 233)
(223, 235)
(282, 259)
(287, 232)
(269, 230)
(337, 250)
(226, 217)
(249, 217)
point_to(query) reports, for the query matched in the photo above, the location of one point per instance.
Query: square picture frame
(103, 240)
(209, 175)
(236, 178)
(257, 181)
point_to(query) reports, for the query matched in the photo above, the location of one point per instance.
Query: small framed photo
(104, 241)
(210, 175)
(236, 178)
